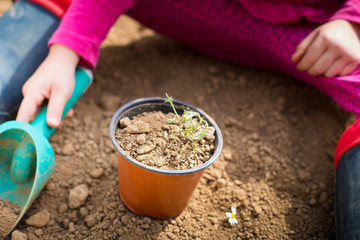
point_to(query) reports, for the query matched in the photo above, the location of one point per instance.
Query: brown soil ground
(276, 167)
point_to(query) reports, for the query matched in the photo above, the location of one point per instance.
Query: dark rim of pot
(159, 102)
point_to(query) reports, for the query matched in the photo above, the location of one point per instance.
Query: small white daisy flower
(231, 216)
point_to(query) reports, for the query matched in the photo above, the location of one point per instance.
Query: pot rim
(116, 118)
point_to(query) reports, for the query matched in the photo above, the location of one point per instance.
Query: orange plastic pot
(150, 191)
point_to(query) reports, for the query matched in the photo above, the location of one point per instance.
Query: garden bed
(276, 166)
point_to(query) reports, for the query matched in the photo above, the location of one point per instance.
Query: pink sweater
(87, 22)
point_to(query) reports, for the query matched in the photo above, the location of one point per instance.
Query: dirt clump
(9, 213)
(149, 139)
(39, 219)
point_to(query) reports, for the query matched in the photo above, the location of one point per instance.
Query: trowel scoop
(26, 157)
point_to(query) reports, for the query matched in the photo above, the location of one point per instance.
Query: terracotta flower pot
(151, 191)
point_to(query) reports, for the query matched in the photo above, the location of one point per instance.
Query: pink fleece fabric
(256, 33)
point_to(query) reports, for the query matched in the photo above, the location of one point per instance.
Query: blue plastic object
(26, 156)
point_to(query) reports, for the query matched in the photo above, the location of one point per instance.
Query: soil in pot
(151, 140)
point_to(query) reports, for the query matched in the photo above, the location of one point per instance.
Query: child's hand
(53, 80)
(331, 49)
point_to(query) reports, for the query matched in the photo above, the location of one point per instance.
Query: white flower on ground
(231, 216)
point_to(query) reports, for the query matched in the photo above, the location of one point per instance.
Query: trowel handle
(83, 79)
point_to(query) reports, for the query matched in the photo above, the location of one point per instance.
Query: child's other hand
(331, 49)
(53, 80)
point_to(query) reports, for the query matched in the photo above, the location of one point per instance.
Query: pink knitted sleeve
(349, 11)
(86, 24)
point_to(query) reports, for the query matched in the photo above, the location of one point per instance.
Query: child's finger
(335, 68)
(297, 54)
(70, 113)
(29, 107)
(323, 63)
(349, 68)
(303, 46)
(56, 105)
(312, 54)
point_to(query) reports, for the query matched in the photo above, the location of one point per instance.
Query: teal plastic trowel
(26, 157)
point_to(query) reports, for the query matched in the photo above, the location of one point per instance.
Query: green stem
(176, 114)
(217, 217)
(172, 105)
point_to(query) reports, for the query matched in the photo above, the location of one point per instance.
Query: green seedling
(189, 129)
